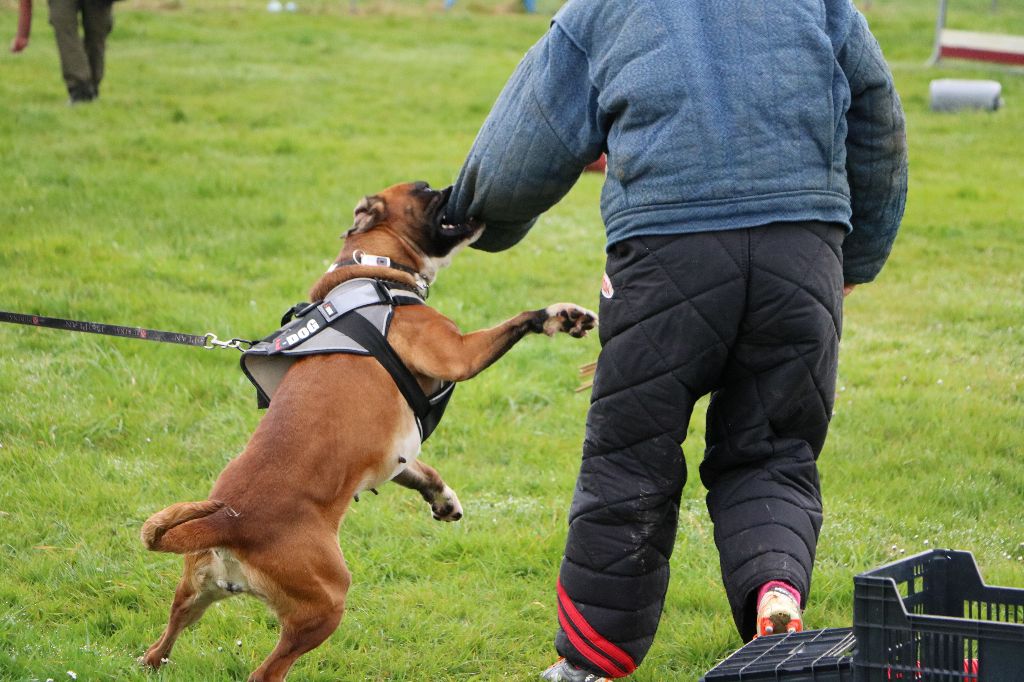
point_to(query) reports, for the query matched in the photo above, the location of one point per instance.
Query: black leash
(208, 340)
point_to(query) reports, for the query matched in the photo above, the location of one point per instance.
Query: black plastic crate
(930, 617)
(811, 656)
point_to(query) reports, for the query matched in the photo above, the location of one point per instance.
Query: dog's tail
(183, 527)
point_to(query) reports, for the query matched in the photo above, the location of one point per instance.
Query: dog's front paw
(570, 318)
(445, 506)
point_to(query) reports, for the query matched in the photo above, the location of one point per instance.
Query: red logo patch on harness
(607, 290)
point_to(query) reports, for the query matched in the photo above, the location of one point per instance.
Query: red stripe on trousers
(622, 660)
(606, 666)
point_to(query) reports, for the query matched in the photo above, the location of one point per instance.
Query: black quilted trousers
(752, 317)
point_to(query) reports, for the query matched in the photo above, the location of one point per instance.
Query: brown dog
(270, 525)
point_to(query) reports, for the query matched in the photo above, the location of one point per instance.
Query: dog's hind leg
(298, 636)
(444, 503)
(308, 594)
(196, 591)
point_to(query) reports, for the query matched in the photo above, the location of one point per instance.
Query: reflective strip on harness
(353, 318)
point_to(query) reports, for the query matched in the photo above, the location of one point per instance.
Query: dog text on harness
(299, 335)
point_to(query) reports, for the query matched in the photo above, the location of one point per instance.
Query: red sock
(780, 585)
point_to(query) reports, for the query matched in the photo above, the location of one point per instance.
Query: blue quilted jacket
(715, 115)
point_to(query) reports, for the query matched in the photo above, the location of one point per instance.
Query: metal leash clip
(211, 341)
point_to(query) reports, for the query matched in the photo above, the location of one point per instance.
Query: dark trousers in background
(81, 54)
(753, 317)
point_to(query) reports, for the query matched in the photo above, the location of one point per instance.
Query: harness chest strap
(428, 410)
(362, 331)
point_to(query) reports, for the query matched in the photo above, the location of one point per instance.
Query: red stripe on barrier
(981, 54)
(621, 658)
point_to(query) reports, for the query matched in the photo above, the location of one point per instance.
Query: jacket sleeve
(876, 155)
(541, 133)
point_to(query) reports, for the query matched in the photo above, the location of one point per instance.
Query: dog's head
(404, 223)
(415, 214)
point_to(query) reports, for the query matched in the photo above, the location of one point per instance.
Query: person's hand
(19, 43)
(847, 288)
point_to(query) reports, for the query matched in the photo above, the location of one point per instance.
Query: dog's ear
(369, 212)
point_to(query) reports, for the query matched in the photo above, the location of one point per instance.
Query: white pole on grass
(940, 23)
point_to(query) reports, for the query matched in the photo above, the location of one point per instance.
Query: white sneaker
(778, 612)
(564, 671)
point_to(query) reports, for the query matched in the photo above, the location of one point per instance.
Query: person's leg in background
(766, 425)
(74, 62)
(674, 308)
(97, 22)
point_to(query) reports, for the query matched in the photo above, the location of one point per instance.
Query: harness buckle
(422, 285)
(296, 311)
(383, 292)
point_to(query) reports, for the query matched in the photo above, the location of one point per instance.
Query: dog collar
(360, 257)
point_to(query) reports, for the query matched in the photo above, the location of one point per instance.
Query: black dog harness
(353, 318)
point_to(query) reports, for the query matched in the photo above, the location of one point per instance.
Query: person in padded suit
(757, 172)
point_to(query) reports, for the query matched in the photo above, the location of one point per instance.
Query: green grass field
(206, 190)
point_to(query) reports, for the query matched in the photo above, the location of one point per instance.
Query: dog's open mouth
(438, 209)
(438, 203)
